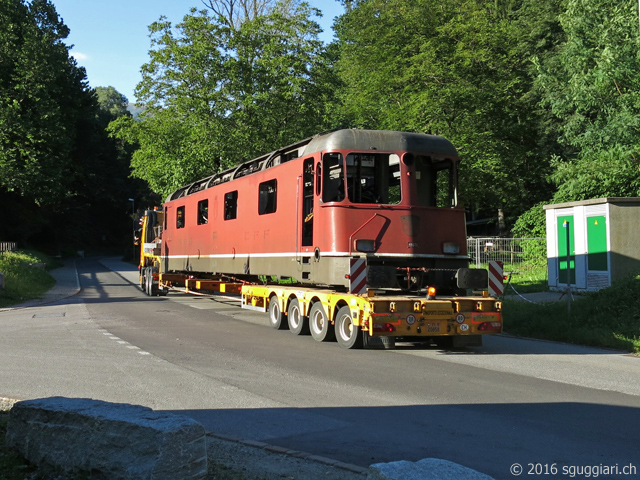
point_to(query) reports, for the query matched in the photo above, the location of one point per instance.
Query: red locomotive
(307, 211)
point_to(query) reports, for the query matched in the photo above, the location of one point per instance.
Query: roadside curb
(349, 467)
(7, 403)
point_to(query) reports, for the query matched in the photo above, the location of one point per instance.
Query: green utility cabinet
(591, 243)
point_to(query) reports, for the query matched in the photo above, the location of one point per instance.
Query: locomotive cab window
(231, 205)
(180, 217)
(332, 178)
(203, 212)
(267, 197)
(436, 182)
(373, 178)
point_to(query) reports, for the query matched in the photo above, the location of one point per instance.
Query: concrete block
(112, 441)
(425, 469)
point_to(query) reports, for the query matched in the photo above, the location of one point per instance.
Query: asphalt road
(538, 404)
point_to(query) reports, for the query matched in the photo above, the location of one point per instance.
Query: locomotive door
(307, 203)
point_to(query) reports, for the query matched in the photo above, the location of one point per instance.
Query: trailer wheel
(276, 317)
(347, 334)
(298, 324)
(319, 324)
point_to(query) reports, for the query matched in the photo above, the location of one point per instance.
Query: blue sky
(111, 40)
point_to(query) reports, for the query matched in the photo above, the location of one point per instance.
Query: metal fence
(505, 250)
(8, 246)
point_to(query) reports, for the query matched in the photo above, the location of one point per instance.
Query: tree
(234, 13)
(112, 101)
(41, 92)
(592, 86)
(456, 69)
(215, 96)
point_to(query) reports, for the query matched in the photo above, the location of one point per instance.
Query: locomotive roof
(385, 140)
(347, 139)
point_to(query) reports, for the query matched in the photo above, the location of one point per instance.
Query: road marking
(124, 342)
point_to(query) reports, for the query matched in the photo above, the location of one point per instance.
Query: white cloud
(79, 56)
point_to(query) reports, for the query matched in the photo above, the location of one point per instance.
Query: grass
(609, 318)
(527, 278)
(25, 276)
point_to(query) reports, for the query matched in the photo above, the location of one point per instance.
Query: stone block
(425, 469)
(112, 441)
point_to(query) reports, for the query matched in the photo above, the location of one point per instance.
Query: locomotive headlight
(364, 245)
(451, 247)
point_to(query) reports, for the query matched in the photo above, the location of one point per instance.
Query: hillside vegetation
(609, 318)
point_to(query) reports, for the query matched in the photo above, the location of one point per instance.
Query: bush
(609, 318)
(26, 277)
(533, 224)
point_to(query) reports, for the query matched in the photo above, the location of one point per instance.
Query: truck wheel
(153, 290)
(298, 324)
(347, 334)
(319, 324)
(276, 317)
(143, 279)
(147, 281)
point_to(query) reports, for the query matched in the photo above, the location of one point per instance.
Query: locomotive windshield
(370, 178)
(375, 178)
(436, 182)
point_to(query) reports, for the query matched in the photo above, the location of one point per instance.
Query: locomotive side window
(203, 212)
(436, 182)
(333, 178)
(180, 217)
(373, 178)
(318, 177)
(231, 205)
(267, 200)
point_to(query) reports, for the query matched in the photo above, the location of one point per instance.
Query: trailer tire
(276, 317)
(347, 334)
(298, 324)
(319, 324)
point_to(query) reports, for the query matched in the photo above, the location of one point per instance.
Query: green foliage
(608, 318)
(527, 277)
(215, 96)
(58, 166)
(592, 86)
(112, 102)
(41, 90)
(532, 224)
(23, 280)
(459, 69)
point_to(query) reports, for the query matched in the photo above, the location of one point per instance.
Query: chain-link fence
(509, 251)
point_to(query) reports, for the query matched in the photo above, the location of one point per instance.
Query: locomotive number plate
(433, 327)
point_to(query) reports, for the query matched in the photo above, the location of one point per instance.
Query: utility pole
(133, 224)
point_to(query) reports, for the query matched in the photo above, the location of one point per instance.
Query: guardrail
(8, 246)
